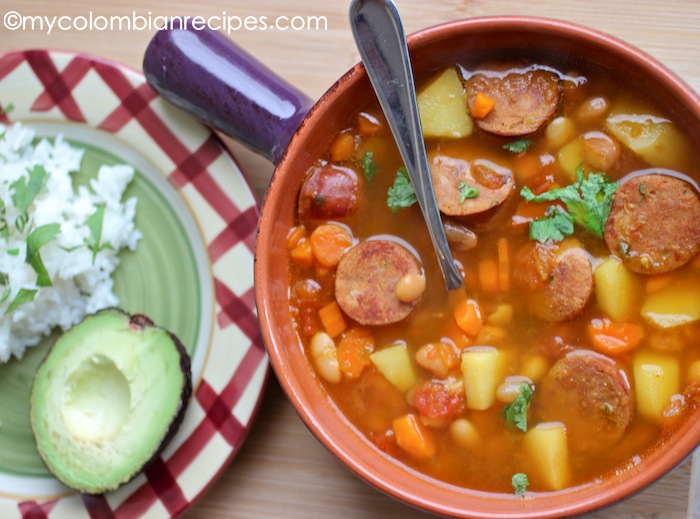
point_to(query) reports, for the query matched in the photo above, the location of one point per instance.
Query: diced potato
(442, 106)
(651, 137)
(394, 362)
(617, 289)
(656, 380)
(673, 305)
(501, 316)
(570, 157)
(482, 370)
(547, 448)
(694, 373)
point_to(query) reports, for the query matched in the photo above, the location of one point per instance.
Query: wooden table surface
(282, 471)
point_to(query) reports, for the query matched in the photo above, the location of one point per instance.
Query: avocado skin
(138, 321)
(141, 320)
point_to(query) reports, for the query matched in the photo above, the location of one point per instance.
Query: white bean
(465, 433)
(410, 287)
(560, 131)
(593, 109)
(509, 389)
(325, 355)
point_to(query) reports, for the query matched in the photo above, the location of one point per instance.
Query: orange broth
(531, 345)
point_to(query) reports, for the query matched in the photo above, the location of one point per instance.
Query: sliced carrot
(329, 242)
(468, 317)
(367, 125)
(295, 235)
(332, 319)
(413, 437)
(301, 254)
(483, 105)
(503, 265)
(354, 349)
(488, 275)
(614, 338)
(342, 147)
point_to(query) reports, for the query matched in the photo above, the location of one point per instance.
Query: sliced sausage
(328, 192)
(654, 223)
(589, 394)
(465, 188)
(366, 279)
(524, 101)
(558, 281)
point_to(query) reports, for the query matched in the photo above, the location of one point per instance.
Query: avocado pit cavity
(97, 401)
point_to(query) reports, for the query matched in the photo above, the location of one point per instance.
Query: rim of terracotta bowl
(293, 370)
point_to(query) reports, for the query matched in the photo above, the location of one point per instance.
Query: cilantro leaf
(467, 191)
(588, 201)
(401, 194)
(518, 146)
(94, 224)
(25, 295)
(7, 109)
(25, 191)
(368, 165)
(520, 483)
(555, 225)
(36, 240)
(515, 413)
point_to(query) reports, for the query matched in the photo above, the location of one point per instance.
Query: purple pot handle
(206, 74)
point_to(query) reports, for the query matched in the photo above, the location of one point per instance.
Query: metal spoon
(381, 40)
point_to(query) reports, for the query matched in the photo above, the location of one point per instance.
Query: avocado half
(107, 399)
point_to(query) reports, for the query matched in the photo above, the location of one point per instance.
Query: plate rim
(139, 481)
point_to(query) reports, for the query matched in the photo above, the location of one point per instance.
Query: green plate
(192, 273)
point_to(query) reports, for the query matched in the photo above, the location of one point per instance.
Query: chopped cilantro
(7, 109)
(466, 191)
(588, 202)
(13, 252)
(94, 224)
(25, 295)
(37, 239)
(515, 413)
(520, 483)
(555, 225)
(369, 166)
(25, 191)
(518, 146)
(401, 194)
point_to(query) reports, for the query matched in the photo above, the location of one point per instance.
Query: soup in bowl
(565, 374)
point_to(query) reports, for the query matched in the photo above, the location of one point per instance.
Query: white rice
(80, 287)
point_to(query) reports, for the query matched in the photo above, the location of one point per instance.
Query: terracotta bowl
(229, 105)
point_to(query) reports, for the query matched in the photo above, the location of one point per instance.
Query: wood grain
(282, 471)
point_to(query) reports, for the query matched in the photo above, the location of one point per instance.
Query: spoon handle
(381, 40)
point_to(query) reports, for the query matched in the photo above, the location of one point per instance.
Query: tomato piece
(438, 399)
